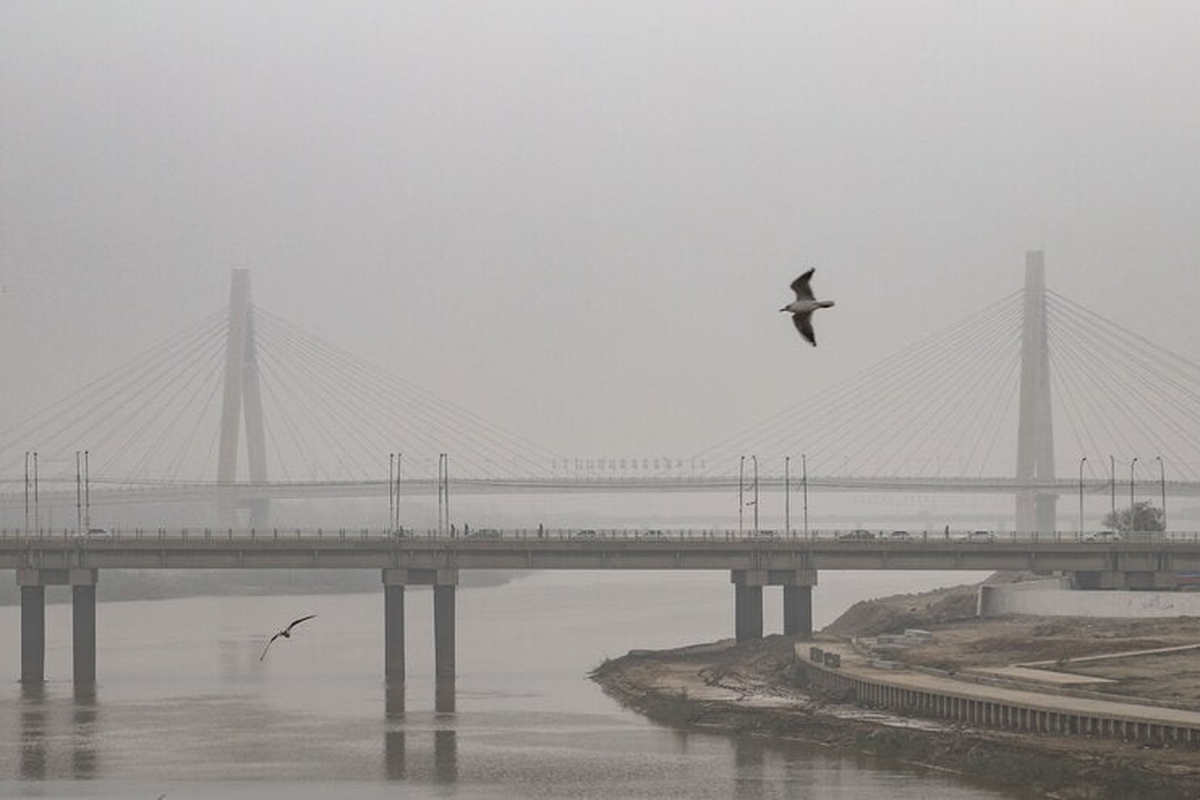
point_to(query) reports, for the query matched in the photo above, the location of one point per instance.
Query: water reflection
(445, 755)
(402, 733)
(43, 755)
(406, 753)
(749, 756)
(33, 731)
(394, 755)
(84, 756)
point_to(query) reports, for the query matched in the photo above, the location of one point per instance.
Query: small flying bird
(285, 633)
(804, 305)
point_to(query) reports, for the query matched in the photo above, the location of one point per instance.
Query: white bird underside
(804, 305)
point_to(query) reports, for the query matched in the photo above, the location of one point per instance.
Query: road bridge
(754, 561)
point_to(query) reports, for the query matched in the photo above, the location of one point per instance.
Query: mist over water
(184, 706)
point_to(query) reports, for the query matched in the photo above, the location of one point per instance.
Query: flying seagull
(285, 633)
(804, 306)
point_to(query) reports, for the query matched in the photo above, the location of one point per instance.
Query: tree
(1142, 517)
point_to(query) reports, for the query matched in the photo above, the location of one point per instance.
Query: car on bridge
(654, 535)
(1101, 537)
(856, 535)
(980, 536)
(586, 533)
(484, 533)
(94, 533)
(898, 536)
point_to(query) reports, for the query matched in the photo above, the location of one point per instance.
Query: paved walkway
(855, 665)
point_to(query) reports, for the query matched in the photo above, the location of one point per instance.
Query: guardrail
(647, 535)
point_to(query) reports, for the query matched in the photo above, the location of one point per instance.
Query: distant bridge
(310, 421)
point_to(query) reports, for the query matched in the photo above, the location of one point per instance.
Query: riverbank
(756, 689)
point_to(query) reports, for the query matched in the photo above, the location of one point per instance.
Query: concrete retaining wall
(1051, 598)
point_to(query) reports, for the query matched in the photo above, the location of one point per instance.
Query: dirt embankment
(754, 688)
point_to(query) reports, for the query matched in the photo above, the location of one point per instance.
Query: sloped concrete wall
(1049, 598)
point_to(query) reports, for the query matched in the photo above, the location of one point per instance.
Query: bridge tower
(1035, 434)
(242, 399)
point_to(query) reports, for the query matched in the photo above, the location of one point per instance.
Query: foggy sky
(579, 219)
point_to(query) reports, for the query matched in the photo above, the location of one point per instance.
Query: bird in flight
(804, 305)
(285, 633)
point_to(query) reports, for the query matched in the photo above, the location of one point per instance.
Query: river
(185, 708)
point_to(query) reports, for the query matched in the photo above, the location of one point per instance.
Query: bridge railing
(645, 535)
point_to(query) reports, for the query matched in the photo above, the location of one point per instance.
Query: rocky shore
(755, 689)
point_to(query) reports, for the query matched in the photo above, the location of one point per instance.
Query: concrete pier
(748, 600)
(797, 611)
(748, 603)
(443, 645)
(33, 633)
(83, 632)
(443, 582)
(393, 633)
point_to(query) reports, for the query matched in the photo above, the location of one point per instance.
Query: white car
(94, 533)
(1102, 536)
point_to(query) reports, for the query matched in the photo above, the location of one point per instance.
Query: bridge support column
(33, 626)
(83, 625)
(748, 608)
(443, 582)
(797, 603)
(443, 641)
(393, 640)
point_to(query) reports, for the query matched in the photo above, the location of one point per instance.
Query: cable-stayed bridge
(1033, 396)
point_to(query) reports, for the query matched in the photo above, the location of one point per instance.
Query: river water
(185, 708)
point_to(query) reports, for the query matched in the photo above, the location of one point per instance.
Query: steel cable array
(944, 408)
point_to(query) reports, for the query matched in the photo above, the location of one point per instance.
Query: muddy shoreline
(754, 689)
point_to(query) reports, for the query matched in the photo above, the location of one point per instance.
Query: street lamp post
(1131, 514)
(741, 498)
(755, 460)
(1112, 479)
(1081, 463)
(1162, 486)
(787, 498)
(804, 468)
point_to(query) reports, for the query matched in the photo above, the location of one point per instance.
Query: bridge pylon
(242, 398)
(1036, 510)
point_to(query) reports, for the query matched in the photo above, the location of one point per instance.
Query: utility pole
(787, 498)
(804, 467)
(1082, 461)
(741, 492)
(755, 494)
(78, 494)
(1162, 485)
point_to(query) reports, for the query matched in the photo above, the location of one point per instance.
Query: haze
(579, 219)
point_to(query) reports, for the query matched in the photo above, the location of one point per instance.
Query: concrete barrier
(1050, 598)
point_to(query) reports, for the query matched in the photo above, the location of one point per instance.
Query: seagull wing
(804, 325)
(268, 647)
(296, 622)
(800, 286)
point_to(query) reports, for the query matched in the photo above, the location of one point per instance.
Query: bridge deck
(675, 550)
